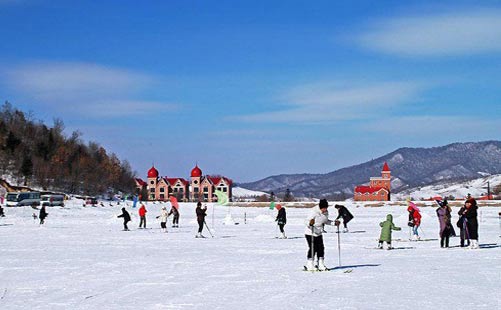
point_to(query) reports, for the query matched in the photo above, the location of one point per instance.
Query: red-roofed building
(377, 190)
(202, 187)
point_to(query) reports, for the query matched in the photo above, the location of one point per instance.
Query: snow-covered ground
(81, 259)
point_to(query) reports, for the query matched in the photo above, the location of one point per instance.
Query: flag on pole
(222, 198)
(272, 205)
(173, 201)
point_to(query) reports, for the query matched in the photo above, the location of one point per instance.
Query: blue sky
(249, 89)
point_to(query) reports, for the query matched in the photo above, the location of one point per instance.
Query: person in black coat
(470, 215)
(281, 220)
(175, 216)
(345, 214)
(126, 217)
(42, 215)
(2, 214)
(201, 213)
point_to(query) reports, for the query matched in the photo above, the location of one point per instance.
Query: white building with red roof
(378, 188)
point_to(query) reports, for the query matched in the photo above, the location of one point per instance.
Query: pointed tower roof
(385, 167)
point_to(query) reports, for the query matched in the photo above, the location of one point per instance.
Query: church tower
(195, 182)
(152, 183)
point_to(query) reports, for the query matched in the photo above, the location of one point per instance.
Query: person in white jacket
(313, 233)
(163, 219)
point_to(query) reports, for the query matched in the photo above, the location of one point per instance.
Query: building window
(206, 190)
(195, 189)
(162, 190)
(195, 182)
(152, 182)
(152, 190)
(162, 196)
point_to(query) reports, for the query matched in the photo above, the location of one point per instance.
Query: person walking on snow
(461, 224)
(126, 217)
(444, 219)
(175, 216)
(142, 215)
(414, 219)
(345, 214)
(471, 227)
(386, 228)
(42, 215)
(201, 214)
(163, 219)
(281, 220)
(313, 233)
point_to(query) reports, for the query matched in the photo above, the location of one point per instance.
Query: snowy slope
(82, 260)
(476, 188)
(242, 192)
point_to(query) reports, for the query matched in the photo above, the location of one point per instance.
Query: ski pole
(424, 236)
(207, 226)
(339, 245)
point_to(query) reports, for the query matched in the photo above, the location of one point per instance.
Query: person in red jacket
(142, 216)
(414, 219)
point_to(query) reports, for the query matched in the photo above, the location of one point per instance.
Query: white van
(53, 200)
(17, 199)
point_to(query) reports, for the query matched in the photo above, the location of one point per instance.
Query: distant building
(378, 189)
(199, 188)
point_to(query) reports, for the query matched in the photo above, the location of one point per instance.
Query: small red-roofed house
(377, 190)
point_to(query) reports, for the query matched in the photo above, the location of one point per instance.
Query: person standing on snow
(281, 220)
(142, 215)
(444, 219)
(2, 214)
(461, 224)
(42, 215)
(201, 214)
(175, 216)
(126, 217)
(471, 227)
(315, 221)
(386, 228)
(163, 219)
(414, 219)
(345, 214)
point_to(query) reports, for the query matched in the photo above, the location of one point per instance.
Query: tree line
(36, 155)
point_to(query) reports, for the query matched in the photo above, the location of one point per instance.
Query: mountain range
(410, 167)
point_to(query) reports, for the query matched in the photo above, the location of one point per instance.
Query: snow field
(82, 260)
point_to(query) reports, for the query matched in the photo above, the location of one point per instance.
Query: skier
(281, 220)
(313, 234)
(126, 217)
(142, 215)
(414, 219)
(471, 227)
(175, 216)
(345, 214)
(42, 215)
(444, 219)
(386, 228)
(163, 219)
(201, 214)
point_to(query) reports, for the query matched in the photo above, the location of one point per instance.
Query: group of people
(142, 217)
(319, 217)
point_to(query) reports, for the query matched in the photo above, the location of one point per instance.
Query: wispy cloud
(326, 102)
(451, 33)
(85, 88)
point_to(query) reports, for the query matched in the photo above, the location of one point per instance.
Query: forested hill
(39, 156)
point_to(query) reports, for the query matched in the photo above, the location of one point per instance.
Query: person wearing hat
(414, 219)
(201, 214)
(315, 221)
(345, 214)
(163, 219)
(471, 222)
(281, 220)
(444, 219)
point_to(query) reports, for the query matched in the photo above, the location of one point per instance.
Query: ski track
(82, 260)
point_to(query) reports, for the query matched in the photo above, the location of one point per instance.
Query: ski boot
(321, 265)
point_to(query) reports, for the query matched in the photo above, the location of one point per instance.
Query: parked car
(17, 199)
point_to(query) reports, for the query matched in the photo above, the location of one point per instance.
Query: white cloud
(336, 102)
(95, 90)
(452, 33)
